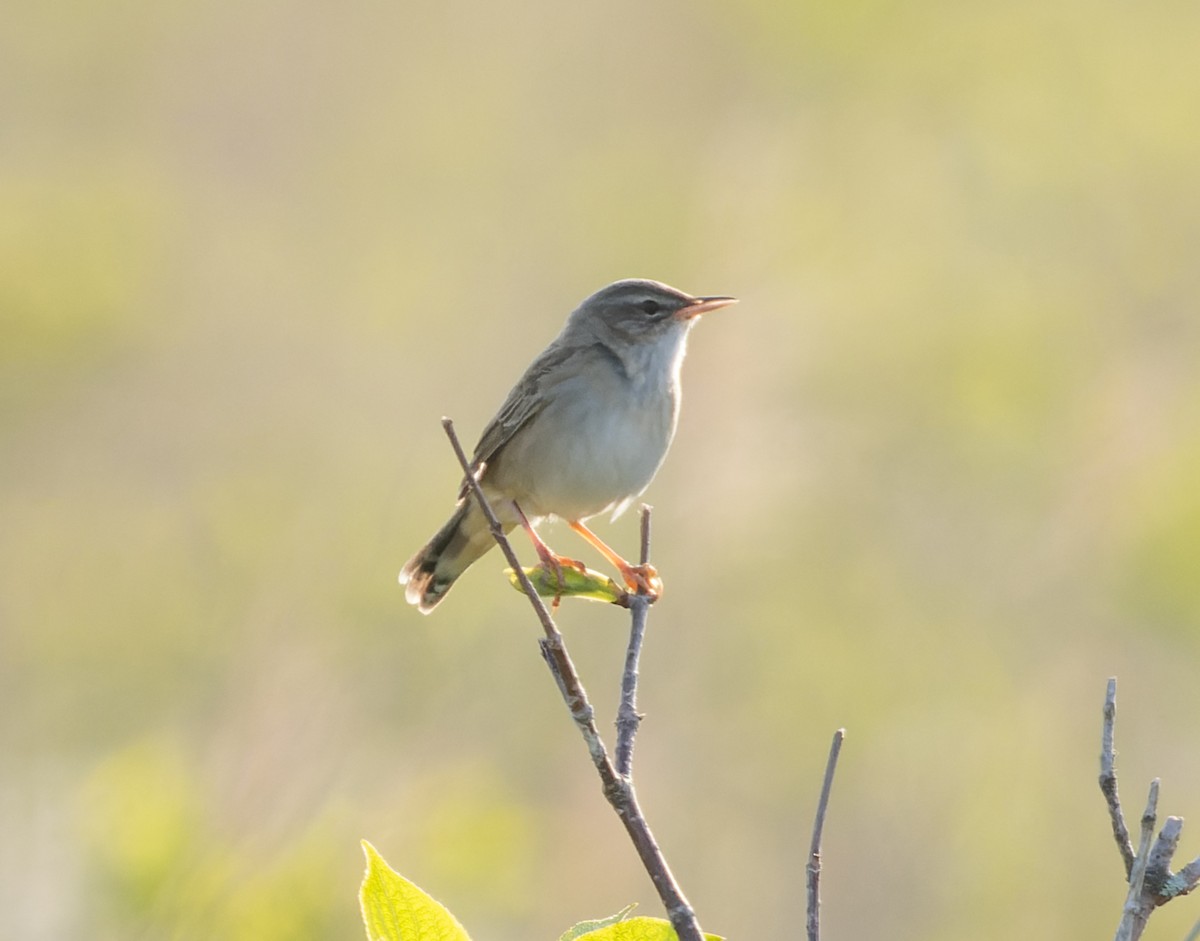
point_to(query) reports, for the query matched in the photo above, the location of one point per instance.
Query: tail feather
(431, 573)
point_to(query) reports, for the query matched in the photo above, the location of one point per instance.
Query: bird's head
(637, 309)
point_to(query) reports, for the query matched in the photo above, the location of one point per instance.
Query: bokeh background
(937, 477)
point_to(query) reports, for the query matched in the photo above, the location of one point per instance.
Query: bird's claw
(556, 564)
(643, 580)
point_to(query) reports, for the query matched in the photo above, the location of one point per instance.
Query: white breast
(600, 439)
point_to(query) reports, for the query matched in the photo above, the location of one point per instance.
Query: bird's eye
(651, 306)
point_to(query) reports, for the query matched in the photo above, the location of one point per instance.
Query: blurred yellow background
(937, 476)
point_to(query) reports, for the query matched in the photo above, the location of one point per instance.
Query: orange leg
(639, 578)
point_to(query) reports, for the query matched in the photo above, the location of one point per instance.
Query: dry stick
(1108, 778)
(1158, 866)
(1151, 882)
(628, 718)
(617, 789)
(1189, 878)
(1137, 911)
(813, 869)
(1161, 885)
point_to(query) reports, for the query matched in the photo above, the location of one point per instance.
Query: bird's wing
(525, 400)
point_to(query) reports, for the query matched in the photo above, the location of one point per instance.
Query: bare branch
(1158, 867)
(1189, 878)
(644, 554)
(1108, 778)
(1136, 912)
(1151, 882)
(618, 789)
(813, 869)
(628, 718)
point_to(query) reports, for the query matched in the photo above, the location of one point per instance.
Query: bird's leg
(545, 553)
(639, 578)
(548, 556)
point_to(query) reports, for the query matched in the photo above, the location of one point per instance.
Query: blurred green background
(937, 476)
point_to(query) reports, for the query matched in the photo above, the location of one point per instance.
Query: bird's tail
(429, 574)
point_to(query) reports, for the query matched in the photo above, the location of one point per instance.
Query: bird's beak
(702, 305)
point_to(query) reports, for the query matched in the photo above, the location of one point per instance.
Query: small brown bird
(583, 432)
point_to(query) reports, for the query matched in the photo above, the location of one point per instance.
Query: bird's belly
(577, 460)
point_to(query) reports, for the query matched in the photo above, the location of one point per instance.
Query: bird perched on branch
(583, 432)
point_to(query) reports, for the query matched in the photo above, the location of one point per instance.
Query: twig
(1189, 877)
(1158, 866)
(1136, 912)
(618, 790)
(1151, 882)
(628, 718)
(1108, 778)
(813, 869)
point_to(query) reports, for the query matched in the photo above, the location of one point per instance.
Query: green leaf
(585, 926)
(638, 929)
(573, 584)
(394, 909)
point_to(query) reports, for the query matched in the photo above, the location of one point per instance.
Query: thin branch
(813, 869)
(1136, 911)
(1151, 882)
(1108, 778)
(1189, 878)
(1158, 866)
(618, 790)
(628, 718)
(1167, 885)
(644, 554)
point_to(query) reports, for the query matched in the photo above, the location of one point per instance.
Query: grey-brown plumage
(583, 431)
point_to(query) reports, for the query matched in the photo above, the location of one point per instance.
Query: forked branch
(1148, 872)
(617, 784)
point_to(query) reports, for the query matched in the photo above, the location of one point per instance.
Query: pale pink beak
(702, 305)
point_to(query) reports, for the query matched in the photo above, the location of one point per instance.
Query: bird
(582, 433)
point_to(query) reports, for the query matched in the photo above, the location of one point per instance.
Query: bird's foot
(643, 580)
(556, 563)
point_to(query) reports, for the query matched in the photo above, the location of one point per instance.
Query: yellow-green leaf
(573, 584)
(394, 909)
